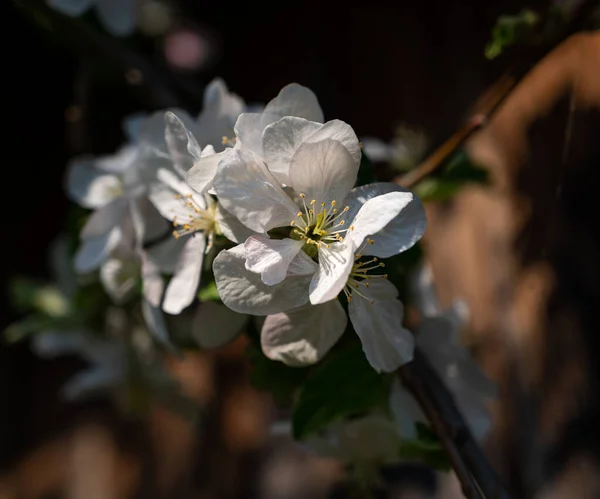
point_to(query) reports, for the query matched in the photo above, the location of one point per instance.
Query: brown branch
(472, 468)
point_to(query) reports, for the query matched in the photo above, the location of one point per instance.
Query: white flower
(292, 100)
(118, 16)
(438, 338)
(403, 152)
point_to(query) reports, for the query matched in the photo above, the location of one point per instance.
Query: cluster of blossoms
(279, 183)
(260, 207)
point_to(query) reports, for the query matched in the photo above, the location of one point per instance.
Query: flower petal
(156, 324)
(387, 345)
(296, 100)
(377, 150)
(343, 133)
(165, 253)
(303, 336)
(200, 176)
(324, 171)
(90, 187)
(249, 128)
(104, 219)
(280, 141)
(118, 16)
(220, 110)
(244, 292)
(215, 325)
(182, 287)
(93, 251)
(248, 190)
(181, 144)
(335, 264)
(230, 226)
(119, 278)
(270, 257)
(153, 285)
(400, 232)
(73, 8)
(405, 411)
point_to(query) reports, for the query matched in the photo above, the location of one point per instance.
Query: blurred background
(523, 251)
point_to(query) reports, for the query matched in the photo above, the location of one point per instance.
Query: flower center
(324, 226)
(358, 280)
(198, 219)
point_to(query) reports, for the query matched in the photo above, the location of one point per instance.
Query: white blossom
(118, 16)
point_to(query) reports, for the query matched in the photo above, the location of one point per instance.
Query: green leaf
(209, 292)
(510, 30)
(343, 385)
(427, 449)
(275, 377)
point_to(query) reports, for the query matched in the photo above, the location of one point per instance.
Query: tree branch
(476, 475)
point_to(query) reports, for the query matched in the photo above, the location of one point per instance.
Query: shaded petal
(341, 132)
(248, 190)
(377, 150)
(155, 321)
(182, 287)
(95, 378)
(165, 253)
(118, 16)
(324, 171)
(200, 176)
(244, 292)
(249, 128)
(119, 278)
(148, 224)
(181, 144)
(120, 162)
(304, 335)
(280, 141)
(153, 285)
(104, 219)
(230, 226)
(215, 325)
(335, 264)
(73, 8)
(296, 100)
(93, 251)
(302, 265)
(131, 125)
(90, 187)
(406, 411)
(387, 345)
(402, 232)
(270, 257)
(220, 110)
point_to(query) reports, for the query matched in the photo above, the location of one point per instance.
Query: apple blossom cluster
(280, 184)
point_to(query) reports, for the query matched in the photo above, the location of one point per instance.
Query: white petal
(248, 190)
(220, 111)
(244, 292)
(302, 265)
(302, 336)
(270, 257)
(401, 232)
(165, 253)
(105, 219)
(215, 325)
(90, 187)
(341, 132)
(131, 125)
(73, 8)
(377, 150)
(324, 171)
(181, 144)
(182, 287)
(423, 291)
(153, 285)
(120, 162)
(148, 224)
(280, 141)
(93, 251)
(200, 176)
(119, 278)
(249, 128)
(387, 345)
(155, 322)
(335, 264)
(296, 100)
(230, 226)
(118, 16)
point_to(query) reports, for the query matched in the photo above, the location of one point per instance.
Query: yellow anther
(382, 264)
(299, 214)
(352, 227)
(342, 222)
(302, 195)
(292, 223)
(323, 203)
(177, 196)
(370, 241)
(346, 208)
(372, 301)
(175, 234)
(313, 201)
(333, 203)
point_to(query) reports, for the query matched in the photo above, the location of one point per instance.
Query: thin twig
(476, 475)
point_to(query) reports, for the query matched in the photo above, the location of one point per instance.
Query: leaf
(275, 377)
(510, 30)
(209, 292)
(343, 385)
(426, 448)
